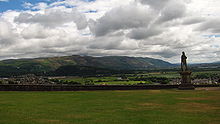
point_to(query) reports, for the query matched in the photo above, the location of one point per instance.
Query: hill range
(80, 65)
(76, 62)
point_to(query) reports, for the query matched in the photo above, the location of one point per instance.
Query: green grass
(205, 73)
(81, 79)
(176, 74)
(102, 80)
(110, 107)
(167, 75)
(120, 82)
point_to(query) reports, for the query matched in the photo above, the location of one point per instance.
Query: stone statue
(185, 75)
(183, 62)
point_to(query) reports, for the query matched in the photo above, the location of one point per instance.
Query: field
(143, 78)
(111, 107)
(113, 80)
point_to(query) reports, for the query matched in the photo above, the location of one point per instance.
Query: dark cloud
(156, 4)
(173, 10)
(161, 51)
(125, 17)
(143, 33)
(165, 53)
(193, 20)
(212, 25)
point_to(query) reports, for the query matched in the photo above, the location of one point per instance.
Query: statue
(185, 75)
(183, 62)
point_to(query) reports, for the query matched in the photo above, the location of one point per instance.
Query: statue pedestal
(186, 81)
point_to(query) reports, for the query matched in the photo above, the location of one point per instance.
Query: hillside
(43, 65)
(206, 66)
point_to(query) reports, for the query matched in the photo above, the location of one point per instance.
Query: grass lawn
(111, 107)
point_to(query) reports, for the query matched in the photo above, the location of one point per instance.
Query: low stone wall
(11, 87)
(81, 87)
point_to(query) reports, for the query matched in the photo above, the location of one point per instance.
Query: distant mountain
(214, 65)
(43, 65)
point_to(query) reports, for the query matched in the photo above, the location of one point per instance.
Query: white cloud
(53, 18)
(148, 28)
(40, 6)
(7, 36)
(27, 5)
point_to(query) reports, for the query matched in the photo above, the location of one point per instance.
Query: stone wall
(81, 87)
(13, 87)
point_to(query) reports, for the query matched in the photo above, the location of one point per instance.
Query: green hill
(41, 66)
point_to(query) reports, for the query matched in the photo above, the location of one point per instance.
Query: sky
(159, 29)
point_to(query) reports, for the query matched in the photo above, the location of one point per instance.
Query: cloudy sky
(146, 28)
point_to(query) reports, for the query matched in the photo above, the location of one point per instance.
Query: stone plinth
(186, 81)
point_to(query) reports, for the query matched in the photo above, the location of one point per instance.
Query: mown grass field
(111, 107)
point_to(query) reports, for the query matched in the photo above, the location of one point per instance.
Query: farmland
(139, 78)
